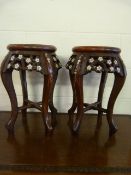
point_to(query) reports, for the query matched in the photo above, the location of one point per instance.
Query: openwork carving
(104, 60)
(31, 57)
(31, 62)
(86, 64)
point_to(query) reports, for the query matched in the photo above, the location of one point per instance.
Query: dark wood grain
(18, 173)
(31, 57)
(31, 47)
(96, 49)
(24, 90)
(100, 96)
(104, 60)
(91, 148)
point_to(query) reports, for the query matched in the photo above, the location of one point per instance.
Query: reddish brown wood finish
(24, 90)
(102, 60)
(31, 47)
(96, 49)
(90, 149)
(31, 57)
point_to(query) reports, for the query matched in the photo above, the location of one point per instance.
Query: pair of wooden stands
(43, 59)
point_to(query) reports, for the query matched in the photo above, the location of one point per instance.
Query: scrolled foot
(49, 131)
(74, 126)
(112, 129)
(10, 127)
(48, 126)
(71, 113)
(11, 123)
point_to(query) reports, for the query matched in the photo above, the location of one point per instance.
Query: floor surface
(91, 151)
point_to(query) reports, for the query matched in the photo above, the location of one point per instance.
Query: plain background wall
(67, 23)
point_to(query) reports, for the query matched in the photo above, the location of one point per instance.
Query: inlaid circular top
(103, 49)
(31, 47)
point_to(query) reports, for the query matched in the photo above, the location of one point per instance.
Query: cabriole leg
(8, 83)
(78, 80)
(51, 105)
(74, 104)
(118, 84)
(48, 83)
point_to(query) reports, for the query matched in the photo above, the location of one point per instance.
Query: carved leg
(48, 83)
(118, 84)
(24, 91)
(8, 83)
(78, 79)
(100, 97)
(74, 104)
(51, 105)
